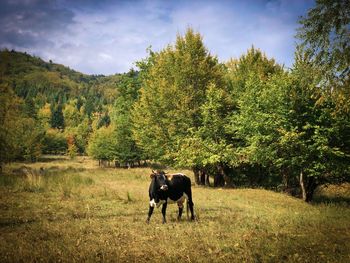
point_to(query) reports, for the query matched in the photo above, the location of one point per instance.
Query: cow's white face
(160, 180)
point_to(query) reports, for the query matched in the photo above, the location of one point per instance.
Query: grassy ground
(77, 212)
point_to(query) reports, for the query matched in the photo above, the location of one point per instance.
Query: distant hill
(31, 77)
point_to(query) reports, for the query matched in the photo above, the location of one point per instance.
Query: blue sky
(107, 37)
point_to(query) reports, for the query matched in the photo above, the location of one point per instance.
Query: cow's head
(159, 180)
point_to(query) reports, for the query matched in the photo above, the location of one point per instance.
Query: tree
(71, 114)
(29, 108)
(57, 118)
(325, 35)
(29, 136)
(20, 135)
(248, 76)
(324, 155)
(72, 148)
(54, 142)
(102, 145)
(254, 62)
(208, 148)
(174, 84)
(128, 90)
(82, 134)
(44, 116)
(9, 119)
(287, 126)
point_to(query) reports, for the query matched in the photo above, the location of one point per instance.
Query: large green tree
(286, 126)
(322, 140)
(127, 152)
(209, 148)
(20, 135)
(248, 77)
(102, 144)
(174, 84)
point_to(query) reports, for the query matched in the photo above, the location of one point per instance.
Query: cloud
(31, 24)
(109, 36)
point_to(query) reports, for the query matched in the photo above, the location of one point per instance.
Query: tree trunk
(196, 175)
(219, 177)
(308, 186)
(302, 186)
(228, 181)
(207, 182)
(202, 176)
(285, 179)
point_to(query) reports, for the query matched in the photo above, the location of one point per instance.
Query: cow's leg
(150, 211)
(164, 212)
(181, 208)
(180, 204)
(190, 204)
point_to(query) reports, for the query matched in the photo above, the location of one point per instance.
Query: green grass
(77, 212)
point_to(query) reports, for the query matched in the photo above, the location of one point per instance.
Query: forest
(248, 121)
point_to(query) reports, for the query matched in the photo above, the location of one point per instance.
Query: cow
(165, 188)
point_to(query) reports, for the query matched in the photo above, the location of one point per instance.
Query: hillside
(55, 103)
(31, 77)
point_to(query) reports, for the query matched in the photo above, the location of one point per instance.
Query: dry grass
(78, 212)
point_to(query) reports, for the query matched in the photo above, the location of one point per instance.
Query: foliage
(71, 114)
(209, 144)
(54, 142)
(325, 148)
(57, 118)
(72, 148)
(57, 96)
(128, 90)
(9, 118)
(325, 35)
(285, 124)
(20, 135)
(44, 116)
(173, 90)
(102, 144)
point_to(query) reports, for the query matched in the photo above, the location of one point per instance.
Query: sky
(108, 37)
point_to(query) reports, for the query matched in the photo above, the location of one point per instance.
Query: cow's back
(179, 184)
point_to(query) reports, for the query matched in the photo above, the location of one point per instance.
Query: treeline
(49, 108)
(249, 121)
(246, 122)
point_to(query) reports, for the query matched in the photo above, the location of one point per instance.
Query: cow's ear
(152, 175)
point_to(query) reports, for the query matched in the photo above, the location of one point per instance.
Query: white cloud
(110, 36)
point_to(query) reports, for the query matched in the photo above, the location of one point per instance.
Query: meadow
(75, 211)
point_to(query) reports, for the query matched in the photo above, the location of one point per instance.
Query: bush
(54, 142)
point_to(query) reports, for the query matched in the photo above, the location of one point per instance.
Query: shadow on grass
(15, 222)
(59, 170)
(52, 158)
(332, 200)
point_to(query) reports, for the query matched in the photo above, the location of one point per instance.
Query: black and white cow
(164, 189)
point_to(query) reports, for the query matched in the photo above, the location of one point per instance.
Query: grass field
(78, 212)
